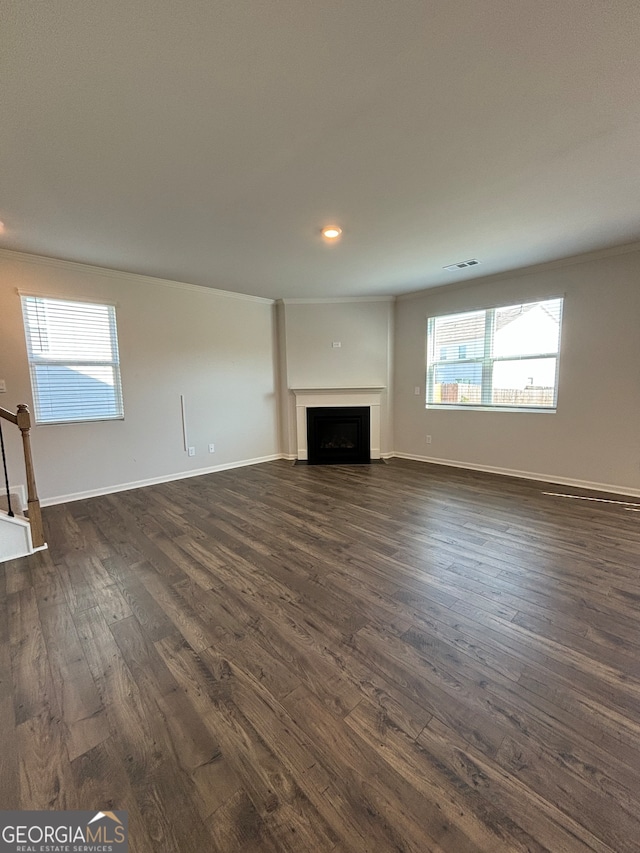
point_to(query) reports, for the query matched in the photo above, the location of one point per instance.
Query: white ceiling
(208, 141)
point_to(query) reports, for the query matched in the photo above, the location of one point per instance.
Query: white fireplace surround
(370, 396)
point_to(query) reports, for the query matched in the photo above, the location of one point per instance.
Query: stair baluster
(6, 475)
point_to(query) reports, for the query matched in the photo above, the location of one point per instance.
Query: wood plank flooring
(395, 657)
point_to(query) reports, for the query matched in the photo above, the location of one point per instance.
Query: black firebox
(338, 435)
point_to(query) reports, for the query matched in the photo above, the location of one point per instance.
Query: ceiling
(208, 141)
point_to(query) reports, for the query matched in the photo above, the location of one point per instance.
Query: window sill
(527, 410)
(80, 421)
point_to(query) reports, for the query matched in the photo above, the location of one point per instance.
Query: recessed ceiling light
(331, 232)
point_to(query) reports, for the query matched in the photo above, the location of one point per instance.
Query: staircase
(20, 535)
(15, 537)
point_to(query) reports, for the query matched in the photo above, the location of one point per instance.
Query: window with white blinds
(502, 358)
(73, 360)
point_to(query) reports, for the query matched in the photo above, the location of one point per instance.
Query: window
(73, 360)
(504, 358)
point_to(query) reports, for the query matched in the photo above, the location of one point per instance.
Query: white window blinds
(73, 360)
(496, 357)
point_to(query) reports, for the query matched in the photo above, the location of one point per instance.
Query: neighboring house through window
(502, 358)
(73, 360)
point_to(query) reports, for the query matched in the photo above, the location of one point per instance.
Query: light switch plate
(3, 386)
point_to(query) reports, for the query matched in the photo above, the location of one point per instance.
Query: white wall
(214, 348)
(594, 437)
(219, 351)
(364, 328)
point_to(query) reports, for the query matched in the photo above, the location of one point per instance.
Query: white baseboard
(525, 475)
(451, 463)
(167, 478)
(21, 492)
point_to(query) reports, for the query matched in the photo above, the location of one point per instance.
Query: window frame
(487, 362)
(35, 360)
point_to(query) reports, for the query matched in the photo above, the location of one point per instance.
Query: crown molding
(518, 272)
(107, 272)
(328, 300)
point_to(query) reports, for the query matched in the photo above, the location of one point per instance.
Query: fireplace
(369, 396)
(338, 435)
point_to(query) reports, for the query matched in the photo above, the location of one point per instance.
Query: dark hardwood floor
(392, 657)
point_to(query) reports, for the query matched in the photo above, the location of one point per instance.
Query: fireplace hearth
(338, 435)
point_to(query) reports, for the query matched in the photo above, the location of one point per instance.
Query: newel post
(35, 516)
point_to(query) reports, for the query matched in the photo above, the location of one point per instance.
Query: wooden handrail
(8, 416)
(23, 421)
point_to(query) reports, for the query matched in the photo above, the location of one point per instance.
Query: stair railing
(22, 419)
(10, 511)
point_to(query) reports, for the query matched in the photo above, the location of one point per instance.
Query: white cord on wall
(184, 423)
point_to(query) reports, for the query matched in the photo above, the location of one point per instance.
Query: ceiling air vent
(472, 262)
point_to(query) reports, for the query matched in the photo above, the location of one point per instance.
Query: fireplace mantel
(338, 388)
(365, 395)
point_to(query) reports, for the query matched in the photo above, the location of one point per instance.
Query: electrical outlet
(428, 439)
(416, 390)
(3, 386)
(336, 344)
(192, 451)
(212, 448)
